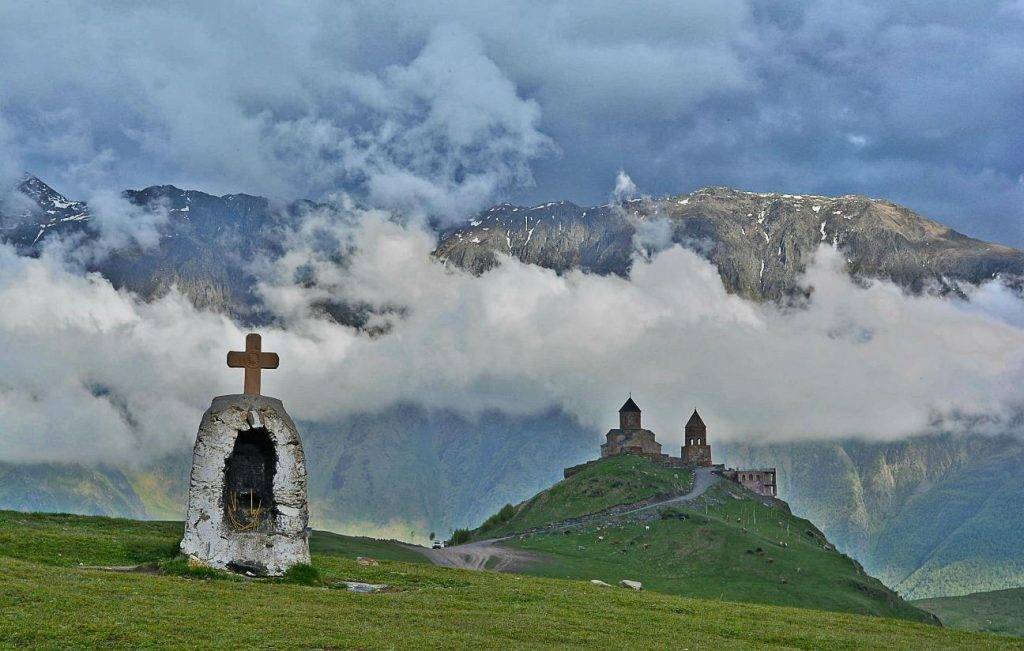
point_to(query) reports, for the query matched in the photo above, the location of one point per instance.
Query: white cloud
(651, 236)
(119, 225)
(91, 374)
(672, 334)
(88, 374)
(436, 108)
(856, 139)
(624, 186)
(437, 130)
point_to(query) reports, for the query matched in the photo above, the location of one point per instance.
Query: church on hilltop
(631, 438)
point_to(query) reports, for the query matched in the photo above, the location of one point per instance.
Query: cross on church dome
(253, 360)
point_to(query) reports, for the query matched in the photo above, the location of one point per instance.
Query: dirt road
(484, 554)
(703, 479)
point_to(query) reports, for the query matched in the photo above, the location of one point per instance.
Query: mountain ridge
(760, 242)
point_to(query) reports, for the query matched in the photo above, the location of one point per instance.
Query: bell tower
(695, 442)
(696, 430)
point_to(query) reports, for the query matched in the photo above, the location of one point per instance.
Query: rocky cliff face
(207, 244)
(760, 242)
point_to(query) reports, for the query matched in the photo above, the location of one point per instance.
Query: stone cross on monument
(248, 510)
(253, 360)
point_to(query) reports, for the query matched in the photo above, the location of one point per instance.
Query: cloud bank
(440, 107)
(266, 102)
(91, 374)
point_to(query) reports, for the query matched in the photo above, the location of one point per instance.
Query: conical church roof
(695, 421)
(629, 406)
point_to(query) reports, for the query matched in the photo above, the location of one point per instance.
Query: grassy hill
(998, 611)
(49, 487)
(727, 544)
(48, 599)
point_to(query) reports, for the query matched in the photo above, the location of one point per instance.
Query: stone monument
(247, 506)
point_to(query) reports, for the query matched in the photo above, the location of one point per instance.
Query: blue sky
(445, 107)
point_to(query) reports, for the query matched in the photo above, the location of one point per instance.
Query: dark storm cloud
(442, 107)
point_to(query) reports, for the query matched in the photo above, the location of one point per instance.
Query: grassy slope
(70, 540)
(619, 480)
(331, 544)
(43, 602)
(999, 611)
(715, 554)
(729, 545)
(963, 535)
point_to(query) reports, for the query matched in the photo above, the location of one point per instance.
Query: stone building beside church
(758, 480)
(630, 437)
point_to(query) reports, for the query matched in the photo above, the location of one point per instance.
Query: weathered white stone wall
(209, 537)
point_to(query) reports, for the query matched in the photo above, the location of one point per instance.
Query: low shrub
(180, 566)
(303, 574)
(501, 517)
(459, 536)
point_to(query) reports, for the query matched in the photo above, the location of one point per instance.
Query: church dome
(629, 407)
